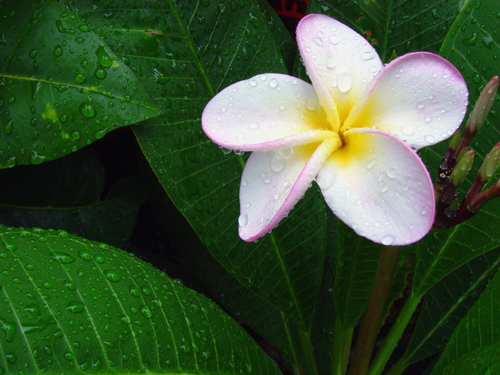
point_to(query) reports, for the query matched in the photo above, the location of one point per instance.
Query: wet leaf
(444, 251)
(80, 306)
(61, 88)
(447, 302)
(474, 346)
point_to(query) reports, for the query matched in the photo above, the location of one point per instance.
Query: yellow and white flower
(354, 130)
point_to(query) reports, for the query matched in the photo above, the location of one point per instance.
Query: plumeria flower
(355, 131)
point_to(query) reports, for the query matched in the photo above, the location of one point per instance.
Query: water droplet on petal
(429, 138)
(330, 62)
(311, 104)
(285, 153)
(344, 82)
(277, 164)
(326, 180)
(420, 105)
(334, 39)
(273, 83)
(253, 83)
(371, 164)
(243, 220)
(318, 41)
(408, 130)
(392, 173)
(367, 56)
(254, 125)
(388, 240)
(428, 118)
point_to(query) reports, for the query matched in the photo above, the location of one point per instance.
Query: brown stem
(379, 293)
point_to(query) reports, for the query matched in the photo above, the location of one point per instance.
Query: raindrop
(100, 73)
(80, 78)
(429, 138)
(344, 82)
(277, 164)
(384, 188)
(372, 163)
(75, 307)
(330, 62)
(112, 276)
(146, 311)
(273, 83)
(408, 130)
(392, 173)
(428, 118)
(285, 153)
(420, 105)
(311, 104)
(103, 57)
(87, 109)
(254, 125)
(326, 180)
(367, 56)
(243, 220)
(388, 240)
(282, 106)
(318, 41)
(334, 39)
(253, 83)
(63, 258)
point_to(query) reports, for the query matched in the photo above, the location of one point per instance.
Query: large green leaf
(194, 50)
(446, 304)
(263, 317)
(474, 347)
(400, 26)
(61, 88)
(472, 45)
(66, 194)
(75, 306)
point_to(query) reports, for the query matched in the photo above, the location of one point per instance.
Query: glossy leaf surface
(472, 46)
(191, 51)
(474, 347)
(61, 88)
(71, 305)
(447, 303)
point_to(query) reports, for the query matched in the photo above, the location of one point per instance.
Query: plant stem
(341, 349)
(394, 335)
(399, 367)
(379, 293)
(307, 350)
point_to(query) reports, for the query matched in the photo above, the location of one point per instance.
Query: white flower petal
(274, 181)
(266, 112)
(380, 188)
(339, 61)
(419, 97)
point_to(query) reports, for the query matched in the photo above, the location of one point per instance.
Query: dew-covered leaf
(400, 26)
(61, 88)
(474, 347)
(472, 45)
(185, 53)
(447, 302)
(70, 305)
(66, 194)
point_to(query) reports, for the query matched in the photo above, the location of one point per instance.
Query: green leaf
(446, 304)
(259, 314)
(61, 88)
(196, 50)
(66, 194)
(73, 305)
(474, 347)
(468, 47)
(400, 26)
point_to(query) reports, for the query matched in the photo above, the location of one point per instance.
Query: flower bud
(483, 106)
(490, 163)
(485, 196)
(462, 169)
(455, 140)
